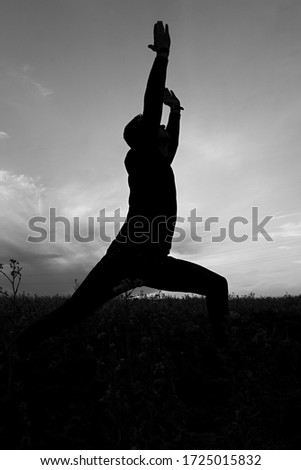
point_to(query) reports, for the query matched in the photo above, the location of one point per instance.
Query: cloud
(283, 216)
(291, 229)
(49, 267)
(4, 135)
(20, 199)
(42, 90)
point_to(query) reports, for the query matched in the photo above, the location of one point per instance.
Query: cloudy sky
(73, 73)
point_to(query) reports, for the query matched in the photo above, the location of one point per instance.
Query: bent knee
(221, 283)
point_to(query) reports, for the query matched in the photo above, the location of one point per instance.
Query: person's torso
(152, 213)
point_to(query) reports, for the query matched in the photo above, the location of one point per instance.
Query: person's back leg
(183, 276)
(104, 282)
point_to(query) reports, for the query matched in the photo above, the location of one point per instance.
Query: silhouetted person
(141, 248)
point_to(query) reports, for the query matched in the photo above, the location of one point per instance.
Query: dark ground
(145, 374)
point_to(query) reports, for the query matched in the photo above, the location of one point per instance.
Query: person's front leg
(177, 275)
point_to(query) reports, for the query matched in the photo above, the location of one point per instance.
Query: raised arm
(154, 94)
(173, 126)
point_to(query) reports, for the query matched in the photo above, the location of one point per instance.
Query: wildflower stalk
(14, 280)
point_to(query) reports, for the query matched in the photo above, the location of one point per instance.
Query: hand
(161, 37)
(171, 100)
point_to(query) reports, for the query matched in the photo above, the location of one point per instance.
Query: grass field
(144, 374)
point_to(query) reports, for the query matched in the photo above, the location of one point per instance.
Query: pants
(117, 272)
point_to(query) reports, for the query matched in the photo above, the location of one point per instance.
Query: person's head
(131, 131)
(132, 134)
